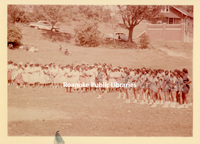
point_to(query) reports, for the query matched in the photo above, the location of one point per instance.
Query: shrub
(87, 34)
(144, 41)
(14, 35)
(118, 44)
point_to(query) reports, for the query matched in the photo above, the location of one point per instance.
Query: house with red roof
(173, 24)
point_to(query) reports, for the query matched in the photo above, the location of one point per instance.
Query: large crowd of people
(149, 86)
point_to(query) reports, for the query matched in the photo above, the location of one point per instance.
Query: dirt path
(172, 53)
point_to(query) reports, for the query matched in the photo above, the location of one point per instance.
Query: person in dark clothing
(185, 87)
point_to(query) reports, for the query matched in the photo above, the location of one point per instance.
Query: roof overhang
(170, 15)
(183, 12)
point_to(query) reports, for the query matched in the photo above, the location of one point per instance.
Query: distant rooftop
(183, 11)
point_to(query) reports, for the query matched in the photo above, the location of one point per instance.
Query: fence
(168, 32)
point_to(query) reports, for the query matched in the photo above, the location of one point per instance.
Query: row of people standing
(152, 86)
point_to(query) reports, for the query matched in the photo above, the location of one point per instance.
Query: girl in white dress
(61, 76)
(19, 78)
(47, 77)
(54, 73)
(42, 77)
(112, 80)
(75, 78)
(86, 74)
(36, 75)
(105, 79)
(33, 76)
(26, 75)
(82, 76)
(57, 76)
(14, 72)
(91, 77)
(30, 75)
(10, 72)
(66, 71)
(69, 79)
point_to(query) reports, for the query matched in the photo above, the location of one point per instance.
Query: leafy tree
(14, 35)
(52, 13)
(132, 15)
(91, 12)
(14, 13)
(87, 34)
(22, 14)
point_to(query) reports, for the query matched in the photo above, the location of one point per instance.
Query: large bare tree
(132, 15)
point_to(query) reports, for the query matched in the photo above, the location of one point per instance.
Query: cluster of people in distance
(149, 86)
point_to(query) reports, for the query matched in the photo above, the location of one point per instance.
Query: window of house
(177, 21)
(165, 9)
(171, 21)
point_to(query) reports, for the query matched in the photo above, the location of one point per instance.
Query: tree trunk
(51, 34)
(130, 34)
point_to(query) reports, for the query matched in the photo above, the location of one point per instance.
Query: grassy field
(44, 111)
(41, 112)
(151, 58)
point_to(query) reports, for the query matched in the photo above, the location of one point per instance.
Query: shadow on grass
(57, 36)
(119, 44)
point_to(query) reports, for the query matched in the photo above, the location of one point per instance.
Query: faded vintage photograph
(100, 70)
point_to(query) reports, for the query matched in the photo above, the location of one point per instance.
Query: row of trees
(57, 13)
(131, 15)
